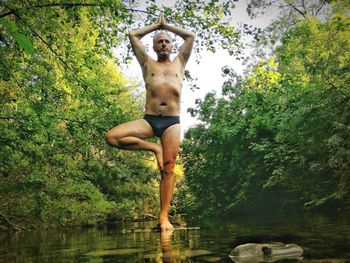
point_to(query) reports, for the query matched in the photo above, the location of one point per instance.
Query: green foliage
(56, 105)
(66, 202)
(23, 41)
(277, 139)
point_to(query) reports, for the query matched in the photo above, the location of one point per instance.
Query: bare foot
(159, 155)
(165, 225)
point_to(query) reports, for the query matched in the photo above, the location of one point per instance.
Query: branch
(13, 12)
(66, 66)
(9, 223)
(303, 5)
(15, 79)
(296, 9)
(319, 9)
(7, 117)
(328, 80)
(19, 85)
(36, 34)
(13, 76)
(67, 5)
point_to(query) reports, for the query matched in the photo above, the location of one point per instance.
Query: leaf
(9, 25)
(24, 42)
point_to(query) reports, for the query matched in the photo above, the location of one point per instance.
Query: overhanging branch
(319, 9)
(299, 11)
(66, 5)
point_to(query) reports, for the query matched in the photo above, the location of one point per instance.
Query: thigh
(138, 128)
(170, 140)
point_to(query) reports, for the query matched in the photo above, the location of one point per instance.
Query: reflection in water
(165, 239)
(321, 237)
(183, 253)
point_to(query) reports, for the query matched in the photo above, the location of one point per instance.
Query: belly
(163, 97)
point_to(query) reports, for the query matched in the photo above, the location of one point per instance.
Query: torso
(163, 87)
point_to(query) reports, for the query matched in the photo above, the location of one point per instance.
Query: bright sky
(208, 71)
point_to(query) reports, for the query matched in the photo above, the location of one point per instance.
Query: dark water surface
(323, 239)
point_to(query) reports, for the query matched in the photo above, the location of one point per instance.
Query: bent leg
(130, 135)
(170, 143)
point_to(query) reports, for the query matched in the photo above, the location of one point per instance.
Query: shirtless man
(163, 79)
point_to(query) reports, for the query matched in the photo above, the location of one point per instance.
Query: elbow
(131, 34)
(191, 36)
(134, 34)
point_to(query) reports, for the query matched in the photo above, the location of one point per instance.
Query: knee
(111, 139)
(168, 168)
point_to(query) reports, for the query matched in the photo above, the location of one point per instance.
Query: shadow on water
(323, 239)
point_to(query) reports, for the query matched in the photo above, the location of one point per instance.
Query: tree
(277, 139)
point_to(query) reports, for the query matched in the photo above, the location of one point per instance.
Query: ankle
(157, 148)
(163, 217)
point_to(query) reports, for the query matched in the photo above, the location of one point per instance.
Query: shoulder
(148, 64)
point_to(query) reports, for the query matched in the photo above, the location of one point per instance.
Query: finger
(161, 16)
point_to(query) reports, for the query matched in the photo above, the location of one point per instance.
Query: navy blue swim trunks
(160, 123)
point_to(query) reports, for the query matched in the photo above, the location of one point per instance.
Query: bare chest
(158, 73)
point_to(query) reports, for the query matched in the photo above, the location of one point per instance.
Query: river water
(323, 239)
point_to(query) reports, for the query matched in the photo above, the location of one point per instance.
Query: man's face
(162, 45)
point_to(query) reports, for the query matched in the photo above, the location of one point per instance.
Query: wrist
(165, 26)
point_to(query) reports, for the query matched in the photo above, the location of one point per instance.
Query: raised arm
(136, 43)
(188, 37)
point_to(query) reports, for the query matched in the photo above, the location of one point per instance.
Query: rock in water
(248, 250)
(268, 252)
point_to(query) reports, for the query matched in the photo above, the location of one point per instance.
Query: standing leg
(170, 143)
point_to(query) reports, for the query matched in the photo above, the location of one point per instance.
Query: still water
(323, 239)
